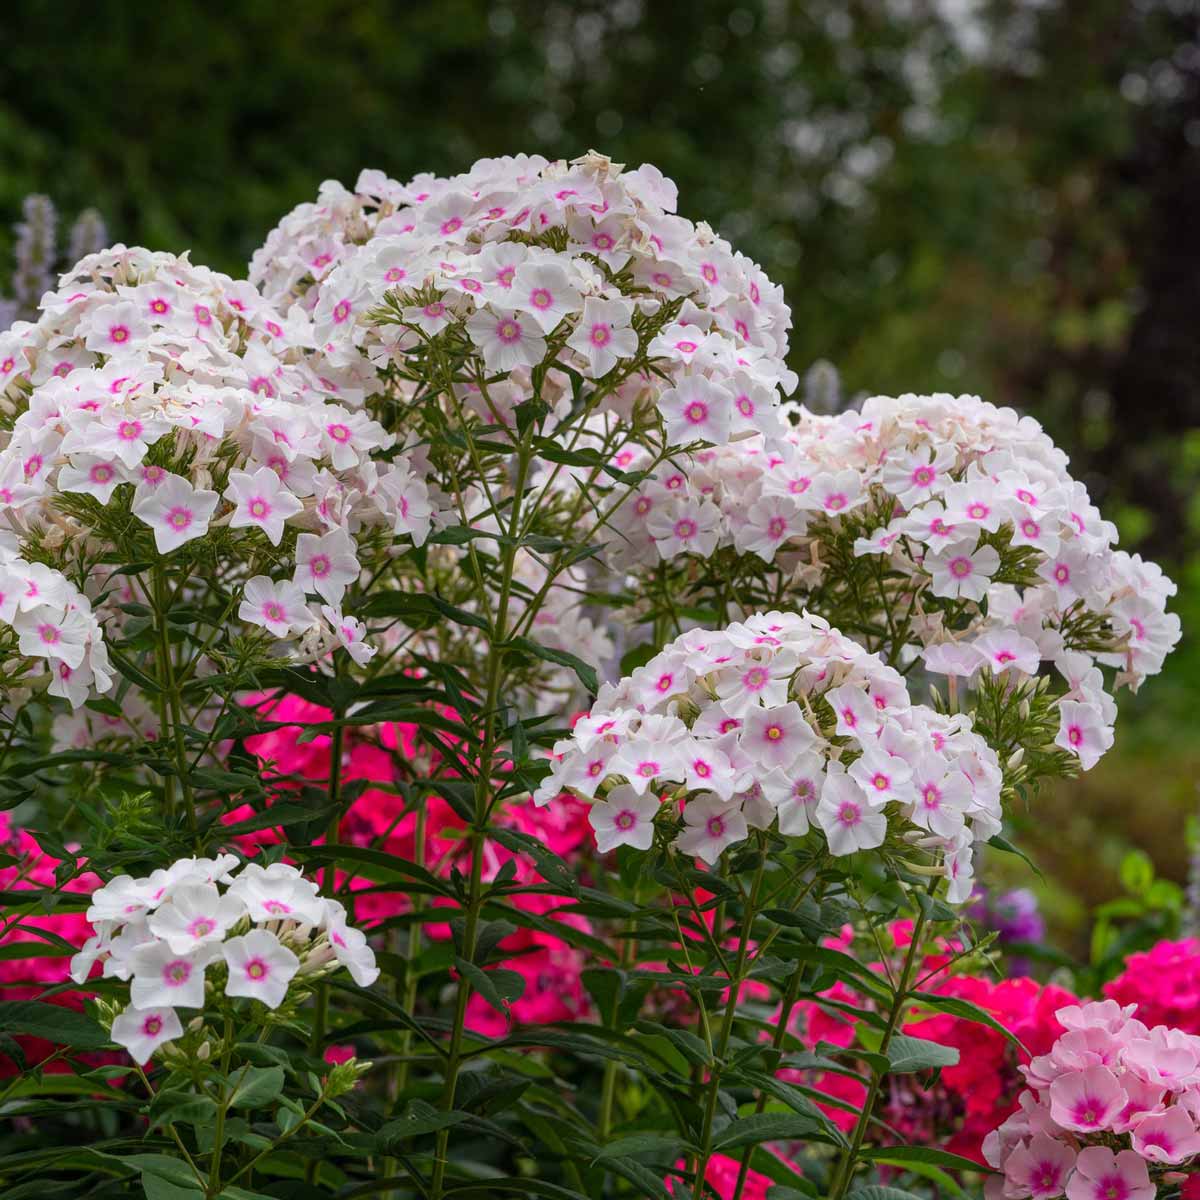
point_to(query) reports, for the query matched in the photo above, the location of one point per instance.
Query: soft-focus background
(992, 196)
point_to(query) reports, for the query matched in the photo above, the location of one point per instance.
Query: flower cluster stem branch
(484, 802)
(845, 1172)
(721, 1048)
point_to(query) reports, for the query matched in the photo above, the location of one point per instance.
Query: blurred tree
(984, 195)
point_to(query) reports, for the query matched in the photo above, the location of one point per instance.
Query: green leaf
(669, 1146)
(498, 986)
(764, 1127)
(876, 1191)
(549, 865)
(421, 610)
(258, 1087)
(585, 671)
(955, 1006)
(1004, 844)
(902, 1155)
(55, 1023)
(907, 1054)
(417, 1118)
(181, 1108)
(157, 1188)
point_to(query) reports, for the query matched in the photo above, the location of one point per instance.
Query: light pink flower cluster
(49, 633)
(778, 719)
(145, 370)
(1112, 1111)
(932, 484)
(533, 262)
(255, 928)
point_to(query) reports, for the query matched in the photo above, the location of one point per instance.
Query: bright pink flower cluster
(1164, 982)
(35, 869)
(376, 759)
(959, 1111)
(1111, 1111)
(42, 964)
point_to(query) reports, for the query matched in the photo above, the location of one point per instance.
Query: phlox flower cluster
(996, 559)
(49, 631)
(33, 868)
(962, 1107)
(778, 721)
(376, 759)
(205, 928)
(190, 397)
(1164, 983)
(584, 265)
(1112, 1110)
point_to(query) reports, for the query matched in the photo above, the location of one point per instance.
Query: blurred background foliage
(993, 196)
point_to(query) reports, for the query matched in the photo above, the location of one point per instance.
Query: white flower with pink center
(544, 292)
(835, 492)
(940, 798)
(326, 564)
(92, 475)
(261, 501)
(277, 893)
(142, 1031)
(176, 511)
(851, 819)
(913, 478)
(1006, 650)
(685, 527)
(796, 792)
(54, 633)
(961, 570)
(350, 634)
(278, 607)
(710, 825)
(624, 818)
(769, 523)
(644, 759)
(350, 946)
(1083, 731)
(753, 680)
(260, 967)
(697, 410)
(603, 335)
(883, 777)
(776, 737)
(162, 977)
(507, 339)
(116, 329)
(195, 915)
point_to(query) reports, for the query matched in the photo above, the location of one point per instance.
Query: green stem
(731, 1006)
(172, 709)
(608, 1089)
(328, 879)
(483, 807)
(214, 1170)
(785, 1015)
(899, 1000)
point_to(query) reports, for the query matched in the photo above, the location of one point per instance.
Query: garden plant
(471, 730)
